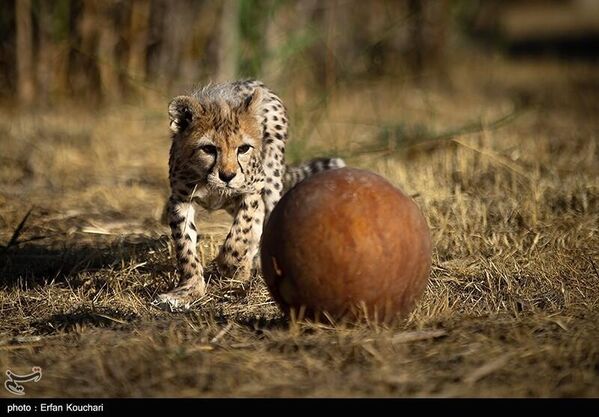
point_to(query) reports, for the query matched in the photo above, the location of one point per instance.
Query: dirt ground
(502, 157)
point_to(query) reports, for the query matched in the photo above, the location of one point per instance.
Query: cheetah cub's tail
(293, 175)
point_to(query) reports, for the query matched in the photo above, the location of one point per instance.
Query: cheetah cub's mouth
(228, 189)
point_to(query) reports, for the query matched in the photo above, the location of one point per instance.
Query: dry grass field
(501, 156)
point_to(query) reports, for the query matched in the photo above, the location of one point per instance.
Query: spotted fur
(227, 152)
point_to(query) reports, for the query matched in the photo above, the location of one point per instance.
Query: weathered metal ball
(346, 242)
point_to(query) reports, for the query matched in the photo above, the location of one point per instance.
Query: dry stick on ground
(15, 236)
(497, 158)
(417, 335)
(452, 134)
(221, 333)
(487, 368)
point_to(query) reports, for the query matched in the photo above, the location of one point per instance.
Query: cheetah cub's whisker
(227, 152)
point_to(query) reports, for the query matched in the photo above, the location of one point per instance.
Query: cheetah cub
(227, 152)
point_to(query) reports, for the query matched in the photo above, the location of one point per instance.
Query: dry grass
(511, 310)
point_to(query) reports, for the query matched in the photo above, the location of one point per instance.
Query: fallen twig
(406, 337)
(487, 369)
(15, 236)
(221, 333)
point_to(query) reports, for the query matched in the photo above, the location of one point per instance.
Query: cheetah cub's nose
(226, 176)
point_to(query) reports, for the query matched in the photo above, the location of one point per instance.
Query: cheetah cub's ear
(251, 103)
(183, 110)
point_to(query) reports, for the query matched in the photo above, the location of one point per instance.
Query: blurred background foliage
(99, 53)
(113, 49)
(96, 51)
(485, 111)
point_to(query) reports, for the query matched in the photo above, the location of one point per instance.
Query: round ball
(346, 242)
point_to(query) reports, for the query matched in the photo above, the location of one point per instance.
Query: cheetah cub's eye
(209, 149)
(244, 149)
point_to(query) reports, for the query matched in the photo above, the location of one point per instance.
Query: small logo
(13, 383)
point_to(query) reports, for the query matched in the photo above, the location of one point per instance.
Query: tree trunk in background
(274, 39)
(228, 51)
(200, 21)
(138, 41)
(86, 48)
(24, 53)
(83, 80)
(172, 38)
(182, 36)
(331, 50)
(438, 36)
(106, 52)
(416, 23)
(45, 54)
(303, 18)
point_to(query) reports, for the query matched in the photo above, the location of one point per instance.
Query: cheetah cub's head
(221, 142)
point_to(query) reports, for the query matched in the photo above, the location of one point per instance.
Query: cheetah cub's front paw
(181, 298)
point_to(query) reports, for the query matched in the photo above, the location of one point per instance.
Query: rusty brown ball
(346, 242)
